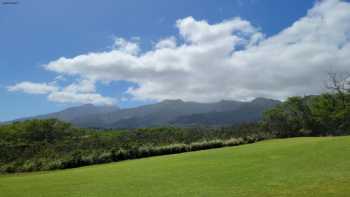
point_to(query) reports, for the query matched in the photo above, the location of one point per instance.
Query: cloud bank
(81, 92)
(209, 62)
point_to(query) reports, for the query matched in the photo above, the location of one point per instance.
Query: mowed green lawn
(290, 167)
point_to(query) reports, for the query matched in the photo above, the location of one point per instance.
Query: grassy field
(290, 167)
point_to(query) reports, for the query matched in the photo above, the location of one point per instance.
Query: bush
(121, 154)
(206, 145)
(143, 151)
(104, 157)
(233, 142)
(53, 165)
(28, 166)
(8, 168)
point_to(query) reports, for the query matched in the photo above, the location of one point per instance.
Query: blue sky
(36, 32)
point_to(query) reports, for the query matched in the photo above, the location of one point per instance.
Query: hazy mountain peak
(228, 101)
(98, 106)
(261, 100)
(87, 105)
(172, 101)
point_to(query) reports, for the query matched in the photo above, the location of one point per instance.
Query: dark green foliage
(51, 144)
(326, 114)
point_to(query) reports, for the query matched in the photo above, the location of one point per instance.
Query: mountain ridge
(167, 112)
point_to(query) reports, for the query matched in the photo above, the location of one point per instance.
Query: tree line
(35, 145)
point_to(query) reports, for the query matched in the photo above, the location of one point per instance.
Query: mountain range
(165, 113)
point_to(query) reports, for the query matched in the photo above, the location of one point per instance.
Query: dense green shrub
(322, 115)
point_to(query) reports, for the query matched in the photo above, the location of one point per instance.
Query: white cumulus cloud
(74, 97)
(33, 88)
(126, 46)
(166, 43)
(82, 91)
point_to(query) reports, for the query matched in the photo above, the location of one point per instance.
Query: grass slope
(291, 167)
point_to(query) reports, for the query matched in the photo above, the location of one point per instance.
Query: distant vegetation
(51, 144)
